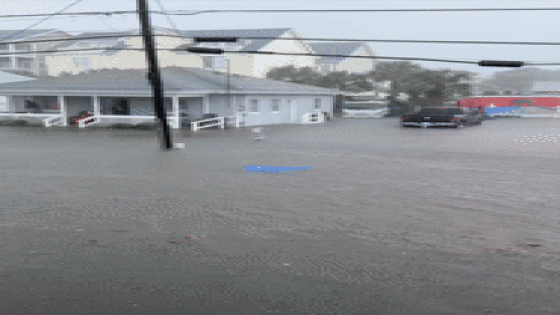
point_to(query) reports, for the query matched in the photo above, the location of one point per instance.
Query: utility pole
(153, 73)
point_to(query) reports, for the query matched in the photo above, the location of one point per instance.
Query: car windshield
(268, 157)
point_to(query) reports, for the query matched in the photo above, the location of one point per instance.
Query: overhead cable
(316, 39)
(43, 20)
(192, 12)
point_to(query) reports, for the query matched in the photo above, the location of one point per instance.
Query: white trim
(176, 111)
(206, 104)
(96, 107)
(149, 94)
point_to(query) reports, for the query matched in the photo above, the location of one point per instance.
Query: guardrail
(197, 125)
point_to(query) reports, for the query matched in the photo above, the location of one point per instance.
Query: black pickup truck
(440, 117)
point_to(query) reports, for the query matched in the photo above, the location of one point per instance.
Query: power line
(167, 16)
(317, 39)
(43, 20)
(348, 56)
(191, 12)
(363, 10)
(282, 54)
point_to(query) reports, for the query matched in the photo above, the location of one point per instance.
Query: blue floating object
(272, 169)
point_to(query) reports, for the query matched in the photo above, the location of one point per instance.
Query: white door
(292, 104)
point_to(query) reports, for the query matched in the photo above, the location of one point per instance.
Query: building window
(4, 47)
(317, 103)
(120, 107)
(240, 105)
(23, 47)
(83, 62)
(254, 106)
(24, 63)
(5, 62)
(208, 62)
(275, 105)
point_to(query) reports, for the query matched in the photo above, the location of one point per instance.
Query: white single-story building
(6, 77)
(125, 96)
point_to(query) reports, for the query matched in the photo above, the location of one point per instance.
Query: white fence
(311, 118)
(234, 121)
(88, 121)
(53, 121)
(197, 125)
(32, 117)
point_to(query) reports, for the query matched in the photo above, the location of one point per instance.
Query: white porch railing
(50, 119)
(313, 118)
(234, 121)
(53, 121)
(197, 125)
(88, 121)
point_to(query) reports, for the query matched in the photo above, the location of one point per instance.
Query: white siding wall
(264, 63)
(265, 115)
(218, 105)
(19, 103)
(3, 104)
(356, 65)
(192, 105)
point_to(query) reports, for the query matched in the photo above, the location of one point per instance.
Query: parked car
(73, 121)
(440, 117)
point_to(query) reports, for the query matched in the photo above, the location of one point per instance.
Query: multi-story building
(16, 47)
(326, 64)
(123, 50)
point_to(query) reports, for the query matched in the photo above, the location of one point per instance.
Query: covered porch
(102, 110)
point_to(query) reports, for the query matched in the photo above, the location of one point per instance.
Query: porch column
(63, 110)
(96, 109)
(177, 124)
(11, 104)
(12, 48)
(206, 104)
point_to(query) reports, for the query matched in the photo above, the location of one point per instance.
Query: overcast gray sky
(499, 26)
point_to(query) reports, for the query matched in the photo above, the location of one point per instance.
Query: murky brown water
(389, 221)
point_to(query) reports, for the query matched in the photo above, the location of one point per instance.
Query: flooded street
(388, 221)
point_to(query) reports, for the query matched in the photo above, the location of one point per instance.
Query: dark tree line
(424, 86)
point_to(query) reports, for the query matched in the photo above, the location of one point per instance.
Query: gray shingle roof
(174, 79)
(335, 48)
(250, 45)
(9, 35)
(8, 77)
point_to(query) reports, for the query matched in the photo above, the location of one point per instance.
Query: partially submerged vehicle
(441, 117)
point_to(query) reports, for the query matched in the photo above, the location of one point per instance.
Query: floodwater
(387, 221)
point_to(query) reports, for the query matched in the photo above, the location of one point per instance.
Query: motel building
(193, 98)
